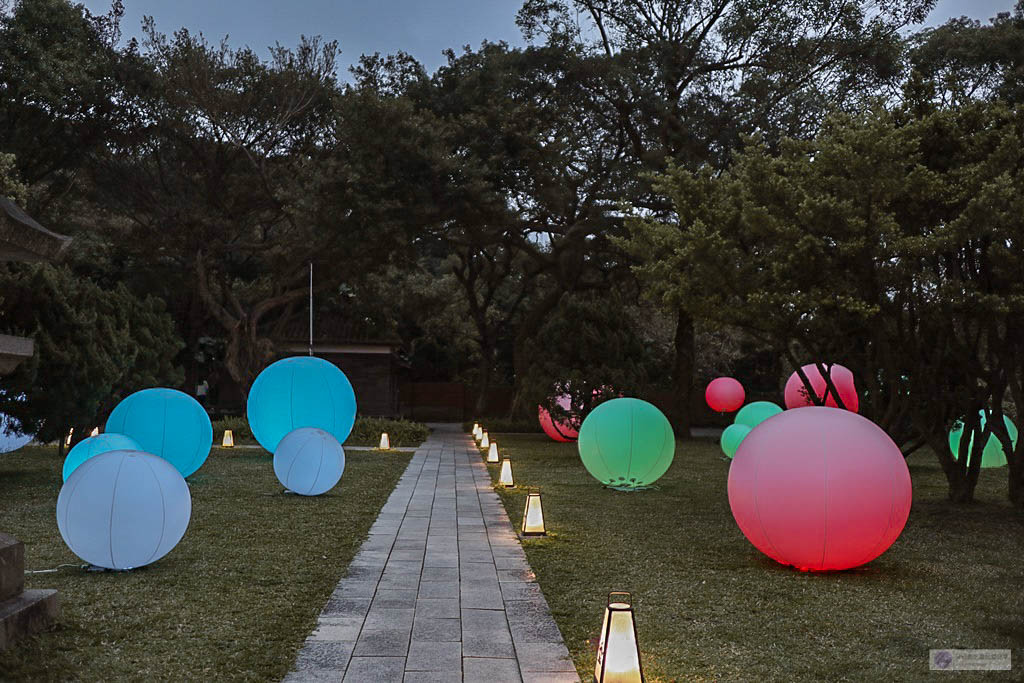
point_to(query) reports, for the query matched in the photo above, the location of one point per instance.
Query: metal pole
(311, 308)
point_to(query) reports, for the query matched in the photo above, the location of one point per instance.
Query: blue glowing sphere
(123, 509)
(303, 391)
(309, 461)
(93, 446)
(168, 423)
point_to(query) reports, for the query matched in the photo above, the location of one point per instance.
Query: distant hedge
(365, 432)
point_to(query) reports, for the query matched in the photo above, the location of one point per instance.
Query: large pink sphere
(559, 431)
(796, 393)
(724, 395)
(819, 489)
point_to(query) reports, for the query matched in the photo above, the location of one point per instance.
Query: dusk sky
(421, 27)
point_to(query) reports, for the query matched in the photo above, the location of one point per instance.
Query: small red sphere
(725, 395)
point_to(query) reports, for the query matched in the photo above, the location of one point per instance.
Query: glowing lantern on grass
(618, 655)
(478, 433)
(95, 431)
(492, 452)
(533, 516)
(484, 441)
(476, 428)
(229, 439)
(67, 441)
(385, 442)
(506, 474)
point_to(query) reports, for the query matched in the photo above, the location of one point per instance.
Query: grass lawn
(711, 607)
(234, 600)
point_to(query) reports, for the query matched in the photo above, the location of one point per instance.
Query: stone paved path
(441, 590)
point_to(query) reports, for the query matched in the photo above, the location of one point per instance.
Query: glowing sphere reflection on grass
(303, 391)
(724, 395)
(820, 489)
(796, 395)
(626, 442)
(309, 461)
(558, 430)
(93, 446)
(123, 509)
(993, 454)
(755, 413)
(168, 423)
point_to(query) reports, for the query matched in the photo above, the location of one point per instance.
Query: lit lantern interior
(492, 452)
(506, 473)
(533, 516)
(95, 431)
(229, 439)
(618, 657)
(476, 428)
(484, 441)
(385, 442)
(478, 433)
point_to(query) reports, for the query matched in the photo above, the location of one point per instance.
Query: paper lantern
(11, 437)
(755, 413)
(93, 446)
(820, 489)
(724, 395)
(123, 509)
(627, 443)
(309, 461)
(993, 454)
(478, 434)
(505, 478)
(303, 391)
(476, 428)
(618, 652)
(732, 437)
(168, 423)
(229, 439)
(485, 442)
(561, 430)
(385, 442)
(796, 395)
(533, 516)
(492, 452)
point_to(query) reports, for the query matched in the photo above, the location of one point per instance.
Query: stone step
(12, 567)
(29, 613)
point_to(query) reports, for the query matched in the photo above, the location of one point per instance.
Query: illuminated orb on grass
(626, 443)
(561, 430)
(309, 461)
(993, 454)
(93, 446)
(123, 509)
(796, 395)
(168, 423)
(724, 395)
(820, 489)
(755, 413)
(303, 391)
(732, 437)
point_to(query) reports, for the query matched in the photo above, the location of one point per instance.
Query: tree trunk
(682, 375)
(247, 354)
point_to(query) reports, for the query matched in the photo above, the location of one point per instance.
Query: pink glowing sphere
(819, 489)
(796, 393)
(724, 395)
(559, 431)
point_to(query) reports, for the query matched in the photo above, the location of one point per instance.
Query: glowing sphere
(168, 423)
(755, 413)
(303, 391)
(309, 461)
(796, 393)
(93, 446)
(626, 442)
(561, 430)
(993, 454)
(10, 438)
(732, 437)
(820, 489)
(123, 509)
(724, 395)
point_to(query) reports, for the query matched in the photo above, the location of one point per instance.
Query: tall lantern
(484, 441)
(492, 452)
(506, 474)
(533, 516)
(476, 428)
(385, 442)
(478, 433)
(229, 439)
(618, 656)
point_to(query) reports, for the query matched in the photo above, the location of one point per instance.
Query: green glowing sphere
(732, 437)
(755, 413)
(626, 443)
(993, 455)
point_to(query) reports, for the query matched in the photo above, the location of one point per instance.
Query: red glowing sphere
(796, 393)
(820, 489)
(724, 395)
(559, 431)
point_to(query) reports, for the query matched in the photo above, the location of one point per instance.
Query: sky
(422, 28)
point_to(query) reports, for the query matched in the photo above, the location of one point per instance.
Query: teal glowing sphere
(93, 446)
(992, 455)
(732, 437)
(755, 413)
(167, 423)
(303, 391)
(626, 443)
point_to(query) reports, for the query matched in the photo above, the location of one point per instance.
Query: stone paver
(441, 589)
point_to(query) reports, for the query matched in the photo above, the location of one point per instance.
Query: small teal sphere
(309, 461)
(755, 413)
(303, 391)
(168, 423)
(93, 446)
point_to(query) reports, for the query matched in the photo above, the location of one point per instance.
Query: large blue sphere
(93, 446)
(123, 509)
(309, 461)
(303, 391)
(168, 423)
